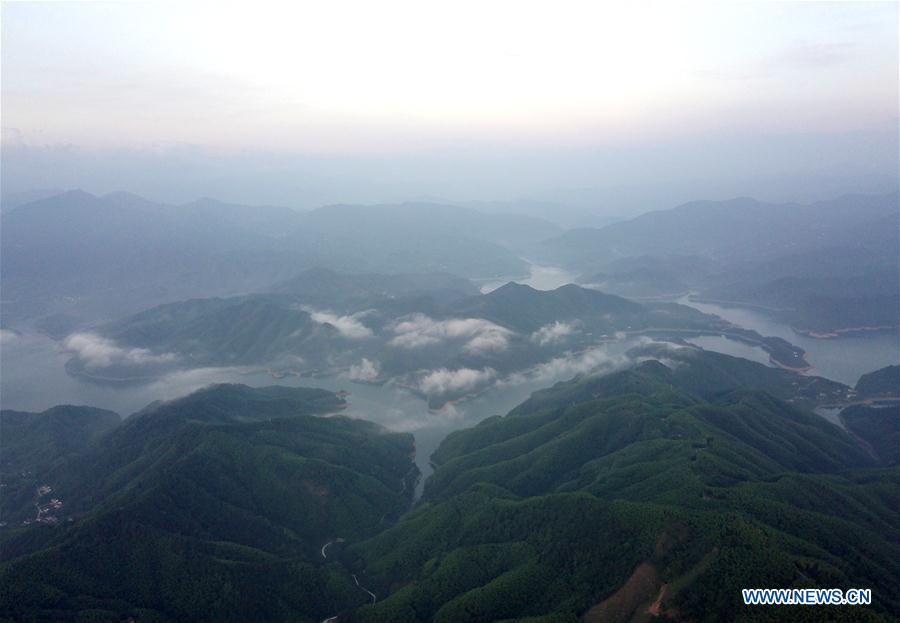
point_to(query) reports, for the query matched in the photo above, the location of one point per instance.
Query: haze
(620, 107)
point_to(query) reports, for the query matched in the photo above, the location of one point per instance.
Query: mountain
(596, 314)
(831, 292)
(11, 201)
(77, 258)
(706, 374)
(213, 507)
(824, 268)
(417, 218)
(35, 444)
(878, 427)
(326, 288)
(880, 383)
(639, 500)
(655, 492)
(652, 276)
(736, 230)
(90, 256)
(200, 332)
(426, 335)
(523, 308)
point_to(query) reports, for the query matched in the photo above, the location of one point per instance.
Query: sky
(299, 103)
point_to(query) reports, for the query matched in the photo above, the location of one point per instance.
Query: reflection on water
(843, 359)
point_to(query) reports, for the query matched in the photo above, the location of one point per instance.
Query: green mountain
(230, 331)
(652, 493)
(522, 308)
(630, 498)
(401, 328)
(34, 444)
(878, 427)
(212, 507)
(880, 383)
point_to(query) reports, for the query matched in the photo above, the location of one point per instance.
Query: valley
(473, 312)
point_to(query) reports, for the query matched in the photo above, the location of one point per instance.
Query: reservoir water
(842, 359)
(33, 377)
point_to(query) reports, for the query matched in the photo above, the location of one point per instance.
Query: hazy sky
(509, 97)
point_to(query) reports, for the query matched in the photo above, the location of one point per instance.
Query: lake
(33, 378)
(842, 359)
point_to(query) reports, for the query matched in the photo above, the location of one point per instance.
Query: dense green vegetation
(35, 444)
(701, 372)
(602, 497)
(878, 427)
(212, 507)
(655, 492)
(883, 382)
(325, 323)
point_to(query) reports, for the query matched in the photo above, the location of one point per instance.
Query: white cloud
(553, 333)
(481, 335)
(348, 326)
(444, 381)
(365, 370)
(596, 360)
(489, 341)
(96, 351)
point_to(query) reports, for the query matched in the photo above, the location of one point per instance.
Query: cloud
(488, 342)
(481, 335)
(553, 333)
(596, 360)
(365, 370)
(96, 351)
(348, 326)
(445, 381)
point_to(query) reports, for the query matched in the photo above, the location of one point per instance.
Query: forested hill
(630, 498)
(653, 493)
(214, 507)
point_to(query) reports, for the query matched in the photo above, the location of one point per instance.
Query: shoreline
(816, 334)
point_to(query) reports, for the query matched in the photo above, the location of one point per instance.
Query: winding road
(371, 594)
(324, 552)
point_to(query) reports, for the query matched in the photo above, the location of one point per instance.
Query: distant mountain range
(826, 267)
(652, 493)
(76, 257)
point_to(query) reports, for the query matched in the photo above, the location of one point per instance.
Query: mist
(510, 311)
